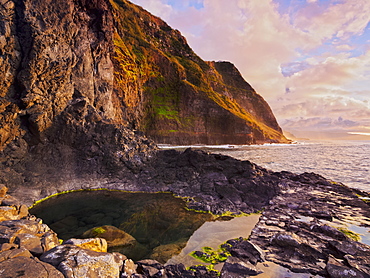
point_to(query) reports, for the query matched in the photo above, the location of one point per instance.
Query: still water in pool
(159, 223)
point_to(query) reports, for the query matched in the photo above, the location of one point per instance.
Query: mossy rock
(115, 237)
(163, 253)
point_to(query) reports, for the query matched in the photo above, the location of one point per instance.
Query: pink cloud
(338, 19)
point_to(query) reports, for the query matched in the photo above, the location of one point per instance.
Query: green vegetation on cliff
(174, 96)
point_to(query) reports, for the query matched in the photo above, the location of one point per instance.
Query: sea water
(347, 162)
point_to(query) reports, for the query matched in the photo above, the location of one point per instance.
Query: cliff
(174, 96)
(59, 113)
(83, 81)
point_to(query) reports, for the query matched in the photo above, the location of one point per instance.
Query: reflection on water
(213, 234)
(272, 270)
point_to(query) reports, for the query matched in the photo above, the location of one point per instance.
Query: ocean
(347, 162)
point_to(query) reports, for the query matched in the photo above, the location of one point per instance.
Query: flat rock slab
(298, 228)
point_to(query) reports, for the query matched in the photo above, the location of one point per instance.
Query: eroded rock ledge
(297, 229)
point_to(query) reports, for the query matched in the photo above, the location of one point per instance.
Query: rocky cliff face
(58, 108)
(174, 96)
(82, 81)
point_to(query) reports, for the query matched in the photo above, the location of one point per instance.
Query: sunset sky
(310, 59)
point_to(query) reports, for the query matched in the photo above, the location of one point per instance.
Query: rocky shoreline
(299, 227)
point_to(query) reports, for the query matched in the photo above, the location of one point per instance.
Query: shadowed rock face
(57, 109)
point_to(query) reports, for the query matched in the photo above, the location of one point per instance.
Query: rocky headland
(86, 86)
(298, 228)
(82, 85)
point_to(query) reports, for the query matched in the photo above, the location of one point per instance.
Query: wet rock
(329, 231)
(235, 267)
(163, 253)
(298, 238)
(286, 239)
(178, 270)
(28, 268)
(69, 221)
(74, 261)
(350, 249)
(149, 267)
(360, 262)
(117, 239)
(337, 269)
(245, 250)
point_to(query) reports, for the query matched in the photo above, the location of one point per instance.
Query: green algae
(98, 231)
(209, 255)
(352, 235)
(209, 267)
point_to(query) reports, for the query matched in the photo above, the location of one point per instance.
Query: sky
(309, 59)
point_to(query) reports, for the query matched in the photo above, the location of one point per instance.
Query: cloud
(156, 7)
(319, 123)
(334, 71)
(340, 19)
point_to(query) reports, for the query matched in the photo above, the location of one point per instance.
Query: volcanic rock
(28, 268)
(74, 261)
(83, 81)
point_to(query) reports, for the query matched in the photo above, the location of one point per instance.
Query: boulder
(234, 268)
(13, 212)
(117, 240)
(9, 200)
(74, 261)
(30, 242)
(3, 190)
(245, 250)
(129, 268)
(94, 244)
(26, 267)
(13, 253)
(30, 234)
(286, 239)
(163, 253)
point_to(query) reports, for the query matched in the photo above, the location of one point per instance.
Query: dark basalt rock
(336, 269)
(298, 239)
(216, 183)
(245, 250)
(235, 267)
(288, 231)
